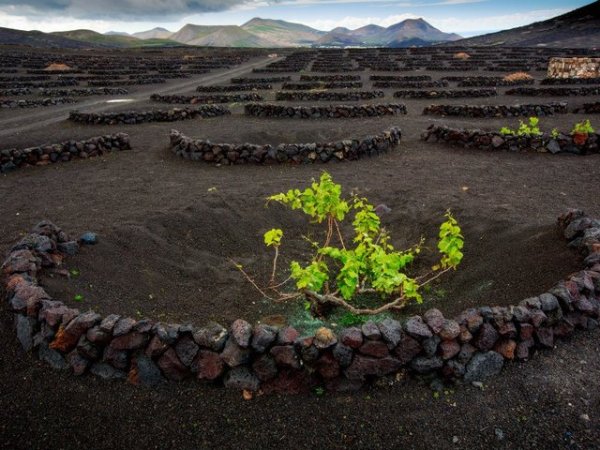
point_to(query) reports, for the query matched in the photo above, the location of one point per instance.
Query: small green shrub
(529, 129)
(365, 264)
(583, 127)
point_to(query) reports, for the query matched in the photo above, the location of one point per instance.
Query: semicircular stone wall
(473, 346)
(349, 149)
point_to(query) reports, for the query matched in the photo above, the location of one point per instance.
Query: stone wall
(409, 84)
(473, 346)
(11, 159)
(554, 81)
(307, 85)
(328, 78)
(492, 140)
(83, 92)
(400, 78)
(135, 117)
(324, 112)
(31, 103)
(113, 82)
(589, 108)
(206, 99)
(38, 84)
(553, 91)
(449, 93)
(268, 80)
(349, 149)
(14, 92)
(492, 82)
(328, 96)
(235, 87)
(574, 68)
(540, 110)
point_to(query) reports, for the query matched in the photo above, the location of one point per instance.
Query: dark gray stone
(263, 337)
(422, 364)
(265, 368)
(109, 322)
(548, 302)
(212, 336)
(241, 378)
(148, 373)
(483, 366)
(434, 319)
(391, 330)
(417, 328)
(371, 331)
(343, 354)
(52, 357)
(123, 326)
(234, 355)
(107, 372)
(430, 345)
(186, 350)
(25, 329)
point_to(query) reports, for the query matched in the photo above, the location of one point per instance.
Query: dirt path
(47, 117)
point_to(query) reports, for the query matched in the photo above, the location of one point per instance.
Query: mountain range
(278, 33)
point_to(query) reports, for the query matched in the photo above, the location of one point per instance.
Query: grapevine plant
(529, 129)
(342, 269)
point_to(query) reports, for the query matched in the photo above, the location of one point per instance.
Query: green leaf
(273, 237)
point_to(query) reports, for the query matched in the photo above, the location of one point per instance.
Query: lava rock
(486, 338)
(364, 366)
(52, 357)
(234, 355)
(351, 337)
(483, 366)
(171, 366)
(264, 367)
(371, 331)
(422, 364)
(186, 350)
(263, 337)
(285, 356)
(434, 319)
(407, 349)
(241, 332)
(391, 330)
(213, 336)
(209, 365)
(241, 379)
(417, 328)
(148, 373)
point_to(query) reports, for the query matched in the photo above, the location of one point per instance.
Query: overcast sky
(466, 17)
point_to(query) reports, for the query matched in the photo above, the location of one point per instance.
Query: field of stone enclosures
(134, 187)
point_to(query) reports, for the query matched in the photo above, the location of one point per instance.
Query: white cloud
(53, 23)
